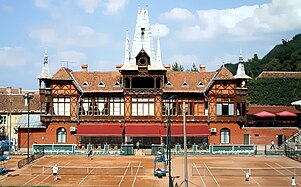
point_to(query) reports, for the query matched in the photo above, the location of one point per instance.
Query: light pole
(168, 138)
(27, 98)
(185, 146)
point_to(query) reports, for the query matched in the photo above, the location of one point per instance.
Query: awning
(296, 103)
(286, 114)
(191, 130)
(34, 121)
(142, 130)
(265, 114)
(100, 130)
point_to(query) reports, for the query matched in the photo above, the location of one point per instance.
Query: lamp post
(168, 138)
(185, 146)
(27, 98)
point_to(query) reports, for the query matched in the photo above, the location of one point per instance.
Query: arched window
(61, 135)
(225, 135)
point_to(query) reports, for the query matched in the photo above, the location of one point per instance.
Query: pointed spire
(143, 35)
(142, 40)
(45, 69)
(158, 57)
(127, 50)
(240, 73)
(240, 58)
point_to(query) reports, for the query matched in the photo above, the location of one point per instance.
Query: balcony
(140, 91)
(45, 91)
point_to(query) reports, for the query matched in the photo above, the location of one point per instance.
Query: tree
(177, 67)
(194, 68)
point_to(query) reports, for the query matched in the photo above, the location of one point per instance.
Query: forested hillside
(274, 91)
(283, 57)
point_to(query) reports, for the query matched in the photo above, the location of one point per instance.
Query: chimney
(9, 90)
(85, 67)
(20, 90)
(202, 68)
(167, 67)
(118, 66)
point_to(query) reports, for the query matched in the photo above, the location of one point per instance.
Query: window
(185, 84)
(188, 108)
(225, 109)
(117, 84)
(200, 84)
(225, 135)
(85, 106)
(61, 135)
(102, 106)
(85, 84)
(168, 84)
(101, 84)
(170, 105)
(241, 109)
(61, 106)
(2, 119)
(143, 107)
(199, 107)
(116, 106)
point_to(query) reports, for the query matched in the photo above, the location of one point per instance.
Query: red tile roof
(279, 74)
(90, 81)
(193, 79)
(224, 73)
(62, 74)
(109, 79)
(16, 103)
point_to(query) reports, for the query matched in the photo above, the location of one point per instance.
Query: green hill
(274, 91)
(283, 57)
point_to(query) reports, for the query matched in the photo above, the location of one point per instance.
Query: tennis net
(231, 171)
(79, 170)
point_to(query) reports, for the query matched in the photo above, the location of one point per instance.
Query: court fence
(29, 159)
(293, 151)
(178, 149)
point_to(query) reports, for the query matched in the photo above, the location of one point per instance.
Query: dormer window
(101, 84)
(168, 84)
(117, 84)
(200, 84)
(85, 84)
(185, 84)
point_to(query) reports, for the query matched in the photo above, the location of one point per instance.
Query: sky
(93, 32)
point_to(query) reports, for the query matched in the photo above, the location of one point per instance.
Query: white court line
(200, 175)
(251, 178)
(85, 177)
(287, 170)
(124, 174)
(281, 172)
(212, 175)
(40, 175)
(136, 174)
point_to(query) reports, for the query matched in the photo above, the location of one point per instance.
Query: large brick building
(135, 101)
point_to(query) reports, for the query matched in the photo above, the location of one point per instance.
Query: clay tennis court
(205, 171)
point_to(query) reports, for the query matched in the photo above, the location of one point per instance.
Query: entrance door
(281, 139)
(246, 139)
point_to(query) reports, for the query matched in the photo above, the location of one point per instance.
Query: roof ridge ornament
(45, 69)
(240, 73)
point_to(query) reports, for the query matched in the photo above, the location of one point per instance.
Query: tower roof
(45, 70)
(142, 40)
(240, 73)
